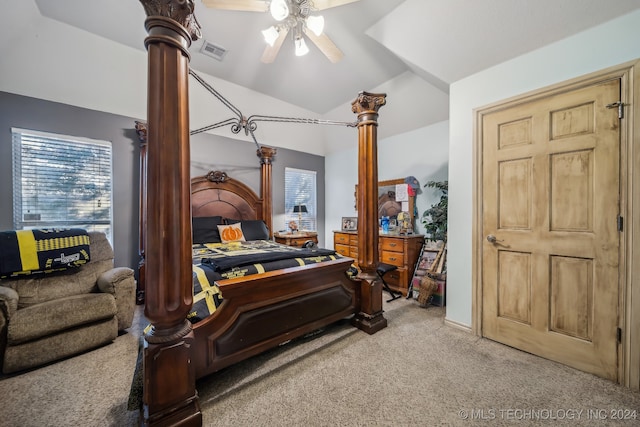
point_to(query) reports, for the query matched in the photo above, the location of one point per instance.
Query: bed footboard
(260, 312)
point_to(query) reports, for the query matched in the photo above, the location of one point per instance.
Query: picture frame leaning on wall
(349, 223)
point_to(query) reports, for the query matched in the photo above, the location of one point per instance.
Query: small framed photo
(349, 223)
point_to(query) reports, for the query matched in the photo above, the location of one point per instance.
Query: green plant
(434, 219)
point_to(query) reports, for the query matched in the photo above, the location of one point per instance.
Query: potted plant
(434, 219)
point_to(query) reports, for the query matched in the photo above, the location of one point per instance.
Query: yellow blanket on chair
(24, 252)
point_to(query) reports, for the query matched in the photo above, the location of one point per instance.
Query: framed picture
(349, 223)
(424, 266)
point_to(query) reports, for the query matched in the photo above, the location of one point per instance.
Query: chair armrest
(120, 283)
(110, 279)
(8, 301)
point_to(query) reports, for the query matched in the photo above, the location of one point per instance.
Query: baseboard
(457, 325)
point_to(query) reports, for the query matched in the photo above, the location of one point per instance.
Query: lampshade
(279, 9)
(270, 35)
(300, 209)
(316, 24)
(301, 47)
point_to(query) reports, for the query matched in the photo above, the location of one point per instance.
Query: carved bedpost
(266, 155)
(141, 130)
(366, 106)
(169, 399)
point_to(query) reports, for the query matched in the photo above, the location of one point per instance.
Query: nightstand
(296, 239)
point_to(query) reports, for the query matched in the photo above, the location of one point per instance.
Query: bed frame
(260, 311)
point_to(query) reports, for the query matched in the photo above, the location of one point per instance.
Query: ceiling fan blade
(244, 5)
(326, 4)
(270, 52)
(326, 46)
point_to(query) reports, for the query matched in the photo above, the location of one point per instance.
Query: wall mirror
(387, 203)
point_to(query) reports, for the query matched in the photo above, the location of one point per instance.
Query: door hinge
(619, 335)
(620, 223)
(620, 106)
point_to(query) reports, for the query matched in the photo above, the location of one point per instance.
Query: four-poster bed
(258, 311)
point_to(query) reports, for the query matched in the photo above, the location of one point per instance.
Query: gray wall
(208, 152)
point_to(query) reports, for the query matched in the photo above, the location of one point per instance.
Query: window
(300, 189)
(61, 181)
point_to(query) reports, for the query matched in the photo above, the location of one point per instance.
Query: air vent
(213, 50)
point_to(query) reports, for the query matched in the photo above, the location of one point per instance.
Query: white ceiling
(435, 41)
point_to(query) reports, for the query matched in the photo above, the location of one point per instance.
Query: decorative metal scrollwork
(250, 124)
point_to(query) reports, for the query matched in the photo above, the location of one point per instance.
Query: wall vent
(213, 50)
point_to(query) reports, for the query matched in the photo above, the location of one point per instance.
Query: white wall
(607, 45)
(46, 59)
(422, 153)
(412, 103)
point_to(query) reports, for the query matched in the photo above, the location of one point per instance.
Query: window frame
(101, 182)
(307, 198)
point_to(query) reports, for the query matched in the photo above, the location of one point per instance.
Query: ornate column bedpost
(266, 155)
(170, 397)
(366, 106)
(141, 130)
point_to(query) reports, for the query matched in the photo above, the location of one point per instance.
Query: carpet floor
(416, 372)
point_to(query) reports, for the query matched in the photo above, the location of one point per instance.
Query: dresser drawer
(393, 258)
(342, 249)
(341, 238)
(391, 244)
(401, 251)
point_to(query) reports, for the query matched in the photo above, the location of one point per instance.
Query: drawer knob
(393, 258)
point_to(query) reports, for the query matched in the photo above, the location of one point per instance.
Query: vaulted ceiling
(413, 48)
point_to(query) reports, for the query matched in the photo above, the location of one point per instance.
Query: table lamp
(300, 209)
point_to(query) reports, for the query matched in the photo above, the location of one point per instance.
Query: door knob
(492, 239)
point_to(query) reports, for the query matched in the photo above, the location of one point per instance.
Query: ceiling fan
(292, 17)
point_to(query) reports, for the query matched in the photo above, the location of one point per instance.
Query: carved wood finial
(368, 103)
(266, 154)
(180, 11)
(141, 130)
(217, 176)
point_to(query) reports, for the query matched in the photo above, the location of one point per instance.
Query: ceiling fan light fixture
(316, 24)
(270, 35)
(301, 46)
(279, 9)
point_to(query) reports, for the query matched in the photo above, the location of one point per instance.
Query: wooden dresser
(401, 251)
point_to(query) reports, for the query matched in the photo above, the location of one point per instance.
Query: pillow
(205, 229)
(231, 233)
(253, 229)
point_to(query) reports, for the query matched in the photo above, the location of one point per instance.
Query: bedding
(208, 229)
(217, 261)
(252, 229)
(205, 229)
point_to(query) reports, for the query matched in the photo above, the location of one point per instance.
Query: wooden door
(550, 181)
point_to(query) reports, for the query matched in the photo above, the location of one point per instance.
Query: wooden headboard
(212, 194)
(217, 194)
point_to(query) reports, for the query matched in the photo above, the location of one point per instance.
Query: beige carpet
(416, 372)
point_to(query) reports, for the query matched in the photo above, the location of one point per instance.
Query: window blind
(61, 181)
(300, 189)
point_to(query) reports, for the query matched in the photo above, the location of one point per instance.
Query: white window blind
(61, 181)
(300, 189)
